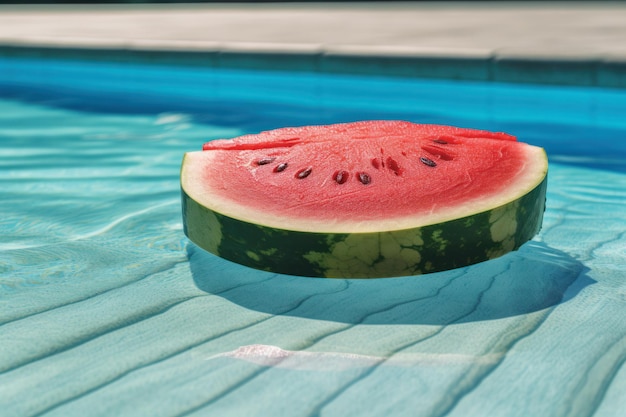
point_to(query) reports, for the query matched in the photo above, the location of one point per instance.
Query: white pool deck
(582, 43)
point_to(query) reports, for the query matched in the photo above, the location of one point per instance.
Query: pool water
(107, 309)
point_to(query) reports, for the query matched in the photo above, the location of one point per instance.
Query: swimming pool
(106, 308)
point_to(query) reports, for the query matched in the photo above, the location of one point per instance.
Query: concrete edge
(511, 66)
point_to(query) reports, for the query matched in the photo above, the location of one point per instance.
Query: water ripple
(105, 304)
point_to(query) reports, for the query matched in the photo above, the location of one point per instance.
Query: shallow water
(107, 309)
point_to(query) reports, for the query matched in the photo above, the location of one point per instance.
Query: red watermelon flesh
(363, 176)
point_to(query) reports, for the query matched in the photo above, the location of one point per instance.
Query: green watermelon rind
(431, 248)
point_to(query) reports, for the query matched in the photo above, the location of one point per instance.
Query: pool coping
(507, 65)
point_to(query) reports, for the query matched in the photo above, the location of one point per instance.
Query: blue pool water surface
(106, 309)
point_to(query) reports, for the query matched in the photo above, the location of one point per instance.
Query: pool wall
(398, 61)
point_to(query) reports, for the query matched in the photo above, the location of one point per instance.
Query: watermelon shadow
(534, 278)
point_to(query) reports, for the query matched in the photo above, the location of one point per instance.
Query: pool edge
(504, 65)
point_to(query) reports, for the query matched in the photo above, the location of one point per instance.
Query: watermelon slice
(364, 199)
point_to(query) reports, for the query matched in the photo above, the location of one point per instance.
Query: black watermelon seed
(427, 161)
(280, 167)
(440, 141)
(341, 176)
(364, 178)
(303, 173)
(265, 161)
